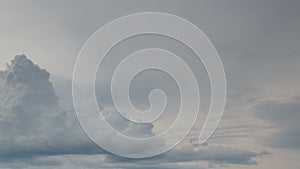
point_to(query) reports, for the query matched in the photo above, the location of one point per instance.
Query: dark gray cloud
(218, 154)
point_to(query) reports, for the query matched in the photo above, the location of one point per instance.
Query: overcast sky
(258, 43)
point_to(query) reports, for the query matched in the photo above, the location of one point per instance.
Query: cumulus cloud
(35, 131)
(33, 122)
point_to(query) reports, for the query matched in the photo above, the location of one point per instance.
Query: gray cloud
(217, 154)
(258, 42)
(186, 158)
(35, 131)
(285, 117)
(32, 121)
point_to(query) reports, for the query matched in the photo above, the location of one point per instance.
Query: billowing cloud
(35, 131)
(32, 121)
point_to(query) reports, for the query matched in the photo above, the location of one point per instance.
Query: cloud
(33, 123)
(35, 131)
(83, 161)
(185, 158)
(190, 153)
(285, 117)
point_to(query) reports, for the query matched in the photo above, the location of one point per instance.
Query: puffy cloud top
(32, 121)
(35, 131)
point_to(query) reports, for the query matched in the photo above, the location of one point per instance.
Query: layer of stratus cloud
(36, 131)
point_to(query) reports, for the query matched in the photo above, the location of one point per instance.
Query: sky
(258, 43)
